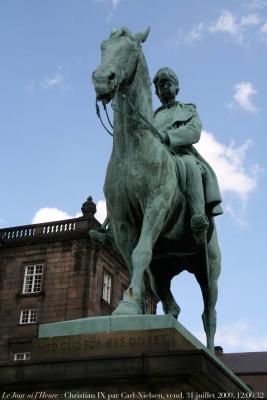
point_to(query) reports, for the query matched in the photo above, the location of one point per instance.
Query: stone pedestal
(144, 357)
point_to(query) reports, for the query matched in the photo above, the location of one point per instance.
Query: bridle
(145, 124)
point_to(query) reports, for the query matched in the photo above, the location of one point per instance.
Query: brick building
(53, 272)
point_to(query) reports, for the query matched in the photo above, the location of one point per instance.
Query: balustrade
(41, 230)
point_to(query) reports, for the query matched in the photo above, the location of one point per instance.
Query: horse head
(119, 58)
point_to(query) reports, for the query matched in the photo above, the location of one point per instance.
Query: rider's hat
(165, 73)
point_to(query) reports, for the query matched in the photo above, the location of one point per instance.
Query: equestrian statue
(161, 195)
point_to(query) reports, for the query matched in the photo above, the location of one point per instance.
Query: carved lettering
(87, 344)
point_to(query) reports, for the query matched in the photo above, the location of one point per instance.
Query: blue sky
(54, 152)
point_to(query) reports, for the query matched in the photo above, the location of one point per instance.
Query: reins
(99, 116)
(146, 124)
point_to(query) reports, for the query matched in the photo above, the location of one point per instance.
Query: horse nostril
(111, 76)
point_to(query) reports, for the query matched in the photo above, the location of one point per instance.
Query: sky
(54, 152)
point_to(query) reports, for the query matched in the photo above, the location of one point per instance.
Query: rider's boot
(196, 201)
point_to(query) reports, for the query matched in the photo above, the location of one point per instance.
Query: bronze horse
(144, 199)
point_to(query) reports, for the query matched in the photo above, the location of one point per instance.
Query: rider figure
(179, 127)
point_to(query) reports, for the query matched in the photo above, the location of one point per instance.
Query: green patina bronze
(161, 194)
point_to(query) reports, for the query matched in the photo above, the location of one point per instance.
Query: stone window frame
(23, 280)
(107, 299)
(22, 356)
(28, 316)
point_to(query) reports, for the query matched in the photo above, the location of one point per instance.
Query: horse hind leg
(209, 289)
(162, 287)
(209, 295)
(209, 318)
(169, 304)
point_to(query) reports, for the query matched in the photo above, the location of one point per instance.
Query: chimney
(218, 351)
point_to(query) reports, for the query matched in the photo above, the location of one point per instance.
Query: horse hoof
(174, 311)
(128, 307)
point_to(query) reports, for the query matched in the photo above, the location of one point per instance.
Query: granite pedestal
(121, 358)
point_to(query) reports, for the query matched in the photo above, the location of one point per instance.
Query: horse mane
(117, 32)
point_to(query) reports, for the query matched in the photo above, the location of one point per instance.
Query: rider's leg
(195, 198)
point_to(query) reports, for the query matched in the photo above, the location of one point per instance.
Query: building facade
(53, 272)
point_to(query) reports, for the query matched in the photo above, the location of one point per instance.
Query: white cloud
(250, 20)
(234, 26)
(101, 211)
(235, 181)
(48, 214)
(238, 214)
(114, 3)
(226, 23)
(263, 32)
(48, 83)
(243, 91)
(228, 164)
(256, 4)
(56, 80)
(114, 6)
(193, 35)
(240, 336)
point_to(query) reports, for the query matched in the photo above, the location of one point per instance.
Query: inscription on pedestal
(108, 344)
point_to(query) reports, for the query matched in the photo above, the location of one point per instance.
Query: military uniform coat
(183, 131)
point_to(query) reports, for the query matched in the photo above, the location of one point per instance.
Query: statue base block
(121, 357)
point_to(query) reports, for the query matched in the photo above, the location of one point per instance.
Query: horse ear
(141, 36)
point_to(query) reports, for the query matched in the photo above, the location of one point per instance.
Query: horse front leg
(142, 255)
(125, 237)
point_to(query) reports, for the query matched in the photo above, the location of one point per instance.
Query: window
(22, 356)
(28, 316)
(107, 286)
(33, 278)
